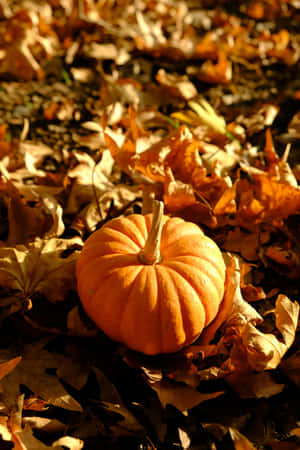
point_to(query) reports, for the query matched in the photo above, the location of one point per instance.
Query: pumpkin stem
(151, 252)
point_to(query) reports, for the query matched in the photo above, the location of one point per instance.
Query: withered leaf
(41, 266)
(240, 441)
(264, 351)
(8, 366)
(182, 396)
(291, 367)
(254, 385)
(26, 440)
(32, 372)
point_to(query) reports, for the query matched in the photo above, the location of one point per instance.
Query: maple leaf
(32, 372)
(265, 200)
(40, 267)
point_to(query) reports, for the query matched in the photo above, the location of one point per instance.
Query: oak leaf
(182, 396)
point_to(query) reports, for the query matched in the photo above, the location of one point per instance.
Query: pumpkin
(152, 282)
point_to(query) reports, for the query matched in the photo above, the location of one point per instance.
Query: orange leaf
(240, 441)
(8, 366)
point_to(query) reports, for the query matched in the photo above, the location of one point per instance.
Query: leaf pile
(103, 105)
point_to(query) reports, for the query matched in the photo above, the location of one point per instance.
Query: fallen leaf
(254, 385)
(24, 45)
(35, 377)
(182, 396)
(264, 351)
(8, 366)
(178, 86)
(41, 266)
(70, 442)
(240, 441)
(291, 367)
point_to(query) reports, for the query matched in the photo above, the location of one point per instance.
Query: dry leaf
(32, 372)
(182, 396)
(44, 424)
(242, 311)
(265, 200)
(70, 442)
(91, 180)
(27, 441)
(76, 326)
(8, 366)
(291, 367)
(240, 441)
(24, 45)
(264, 351)
(254, 385)
(178, 86)
(41, 266)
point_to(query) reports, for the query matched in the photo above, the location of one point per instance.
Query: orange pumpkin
(151, 282)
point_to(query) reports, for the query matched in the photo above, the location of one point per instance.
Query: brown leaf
(25, 222)
(182, 396)
(264, 351)
(90, 180)
(240, 441)
(254, 385)
(36, 378)
(291, 367)
(8, 366)
(179, 86)
(26, 440)
(220, 72)
(40, 267)
(76, 325)
(25, 44)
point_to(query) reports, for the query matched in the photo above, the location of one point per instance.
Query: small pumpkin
(151, 282)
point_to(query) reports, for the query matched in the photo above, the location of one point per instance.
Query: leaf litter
(103, 104)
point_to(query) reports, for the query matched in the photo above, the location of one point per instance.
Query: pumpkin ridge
(210, 261)
(112, 258)
(105, 280)
(167, 244)
(100, 252)
(126, 306)
(133, 232)
(155, 271)
(141, 227)
(205, 304)
(207, 261)
(117, 235)
(158, 268)
(171, 269)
